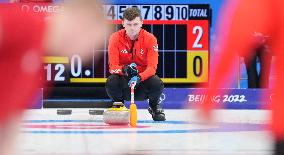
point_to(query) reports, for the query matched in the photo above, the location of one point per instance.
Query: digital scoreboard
(183, 37)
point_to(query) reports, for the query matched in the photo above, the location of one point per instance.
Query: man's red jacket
(143, 51)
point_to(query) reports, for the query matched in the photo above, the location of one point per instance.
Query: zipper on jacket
(131, 49)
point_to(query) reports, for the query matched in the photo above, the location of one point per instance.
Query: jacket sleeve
(113, 55)
(152, 58)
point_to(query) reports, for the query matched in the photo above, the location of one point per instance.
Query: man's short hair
(131, 13)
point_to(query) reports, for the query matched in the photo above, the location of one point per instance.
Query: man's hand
(134, 79)
(130, 70)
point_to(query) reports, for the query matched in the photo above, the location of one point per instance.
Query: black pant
(118, 90)
(260, 80)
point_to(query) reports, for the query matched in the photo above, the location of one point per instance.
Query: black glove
(130, 70)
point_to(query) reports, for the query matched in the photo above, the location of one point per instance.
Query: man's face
(132, 27)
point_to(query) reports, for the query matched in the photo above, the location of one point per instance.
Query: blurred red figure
(32, 1)
(20, 64)
(23, 38)
(264, 56)
(21, 48)
(242, 19)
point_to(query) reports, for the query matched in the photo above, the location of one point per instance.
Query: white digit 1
(58, 75)
(199, 31)
(76, 72)
(48, 72)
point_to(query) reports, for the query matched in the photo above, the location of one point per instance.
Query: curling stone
(118, 114)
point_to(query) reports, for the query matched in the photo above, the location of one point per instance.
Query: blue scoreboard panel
(183, 37)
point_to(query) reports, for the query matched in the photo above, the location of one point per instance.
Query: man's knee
(156, 83)
(113, 88)
(112, 80)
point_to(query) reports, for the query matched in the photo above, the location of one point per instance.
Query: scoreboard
(160, 12)
(183, 37)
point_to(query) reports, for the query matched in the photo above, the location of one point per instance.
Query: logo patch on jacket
(124, 51)
(141, 52)
(155, 47)
(115, 71)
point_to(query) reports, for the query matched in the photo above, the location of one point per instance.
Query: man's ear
(122, 23)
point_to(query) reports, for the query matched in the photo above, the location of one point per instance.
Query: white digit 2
(58, 75)
(199, 31)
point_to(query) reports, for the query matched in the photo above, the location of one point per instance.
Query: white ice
(45, 133)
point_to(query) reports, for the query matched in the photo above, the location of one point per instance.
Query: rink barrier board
(174, 98)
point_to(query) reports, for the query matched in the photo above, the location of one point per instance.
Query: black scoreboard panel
(182, 32)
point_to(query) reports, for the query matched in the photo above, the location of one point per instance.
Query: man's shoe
(157, 113)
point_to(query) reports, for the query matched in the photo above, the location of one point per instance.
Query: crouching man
(133, 57)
